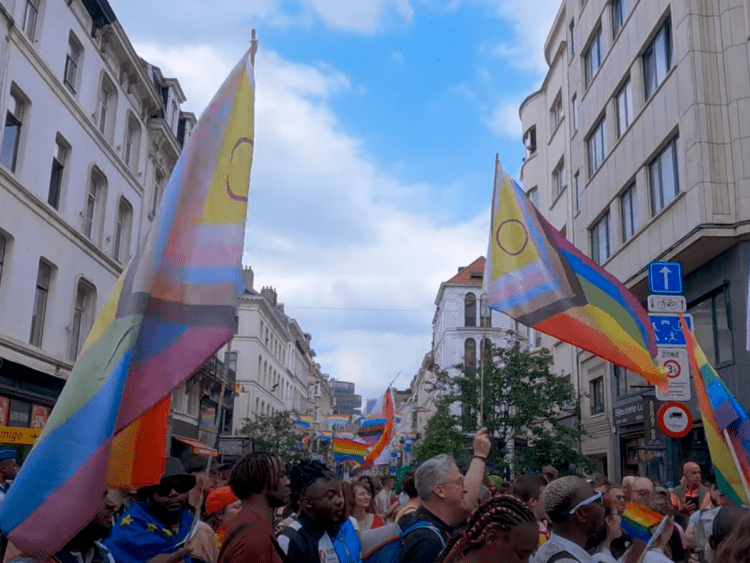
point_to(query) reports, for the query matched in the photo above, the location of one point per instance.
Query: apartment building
(90, 136)
(635, 149)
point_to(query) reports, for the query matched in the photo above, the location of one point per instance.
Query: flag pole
(736, 461)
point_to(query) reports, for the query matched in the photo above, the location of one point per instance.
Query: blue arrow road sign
(669, 330)
(665, 278)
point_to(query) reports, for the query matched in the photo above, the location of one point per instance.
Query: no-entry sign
(675, 419)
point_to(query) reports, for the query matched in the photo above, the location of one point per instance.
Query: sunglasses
(597, 497)
(180, 487)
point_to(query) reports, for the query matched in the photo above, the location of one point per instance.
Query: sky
(377, 125)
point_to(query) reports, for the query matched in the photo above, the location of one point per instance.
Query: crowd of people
(258, 511)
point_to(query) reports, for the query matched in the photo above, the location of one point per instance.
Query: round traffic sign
(673, 369)
(675, 419)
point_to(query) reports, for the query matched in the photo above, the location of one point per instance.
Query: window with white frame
(43, 277)
(178, 398)
(107, 108)
(470, 310)
(592, 58)
(30, 16)
(132, 143)
(597, 146)
(624, 101)
(600, 240)
(533, 195)
(56, 175)
(12, 132)
(596, 392)
(574, 111)
(529, 141)
(72, 63)
(629, 212)
(158, 188)
(123, 228)
(619, 15)
(555, 114)
(657, 60)
(664, 177)
(83, 317)
(92, 215)
(559, 183)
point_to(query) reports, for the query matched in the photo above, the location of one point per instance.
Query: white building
(90, 135)
(643, 115)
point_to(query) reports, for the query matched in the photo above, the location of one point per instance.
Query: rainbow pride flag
(170, 311)
(383, 410)
(536, 276)
(348, 449)
(332, 419)
(638, 521)
(397, 417)
(304, 420)
(720, 411)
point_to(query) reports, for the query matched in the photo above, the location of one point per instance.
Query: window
(529, 141)
(2, 255)
(592, 58)
(192, 399)
(555, 114)
(534, 337)
(30, 14)
(596, 390)
(122, 231)
(94, 206)
(624, 108)
(470, 310)
(71, 63)
(657, 60)
(485, 313)
(83, 317)
(40, 303)
(571, 28)
(470, 354)
(628, 382)
(558, 178)
(533, 195)
(619, 15)
(600, 240)
(158, 186)
(132, 143)
(713, 326)
(577, 185)
(664, 177)
(629, 212)
(12, 132)
(107, 108)
(178, 398)
(597, 146)
(574, 111)
(56, 175)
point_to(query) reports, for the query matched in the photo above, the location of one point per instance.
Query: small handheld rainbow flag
(332, 419)
(638, 521)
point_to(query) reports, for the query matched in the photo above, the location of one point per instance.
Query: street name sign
(678, 371)
(667, 304)
(665, 278)
(675, 419)
(669, 330)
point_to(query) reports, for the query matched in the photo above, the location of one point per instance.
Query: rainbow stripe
(536, 276)
(638, 520)
(332, 419)
(304, 420)
(397, 417)
(170, 311)
(720, 411)
(347, 449)
(386, 413)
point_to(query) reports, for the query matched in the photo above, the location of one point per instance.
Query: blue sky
(377, 122)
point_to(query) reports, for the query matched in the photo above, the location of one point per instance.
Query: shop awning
(199, 448)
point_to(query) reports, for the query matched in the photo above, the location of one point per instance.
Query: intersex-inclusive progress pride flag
(171, 310)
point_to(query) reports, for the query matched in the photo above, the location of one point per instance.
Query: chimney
(281, 307)
(249, 277)
(269, 294)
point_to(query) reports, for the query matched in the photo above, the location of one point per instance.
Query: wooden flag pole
(736, 461)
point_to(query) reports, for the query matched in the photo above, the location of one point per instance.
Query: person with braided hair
(501, 529)
(260, 483)
(323, 531)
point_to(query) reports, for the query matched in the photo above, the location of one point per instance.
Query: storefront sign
(633, 413)
(13, 435)
(19, 413)
(654, 437)
(675, 420)
(39, 416)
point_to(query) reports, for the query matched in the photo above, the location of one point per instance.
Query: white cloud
(364, 16)
(503, 120)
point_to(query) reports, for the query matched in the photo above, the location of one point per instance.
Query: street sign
(13, 435)
(669, 330)
(678, 371)
(666, 304)
(675, 419)
(665, 278)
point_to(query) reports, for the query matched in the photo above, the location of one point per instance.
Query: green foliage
(523, 402)
(275, 433)
(442, 436)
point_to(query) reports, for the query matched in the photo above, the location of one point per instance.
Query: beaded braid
(504, 512)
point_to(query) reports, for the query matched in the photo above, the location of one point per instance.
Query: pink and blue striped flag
(171, 310)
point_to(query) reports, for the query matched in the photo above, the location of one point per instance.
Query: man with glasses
(576, 512)
(643, 488)
(156, 531)
(447, 501)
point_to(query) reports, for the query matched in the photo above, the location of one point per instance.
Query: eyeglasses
(456, 481)
(180, 487)
(597, 497)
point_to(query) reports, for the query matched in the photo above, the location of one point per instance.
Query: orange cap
(219, 498)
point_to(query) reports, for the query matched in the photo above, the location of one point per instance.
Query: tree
(442, 435)
(274, 433)
(523, 402)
